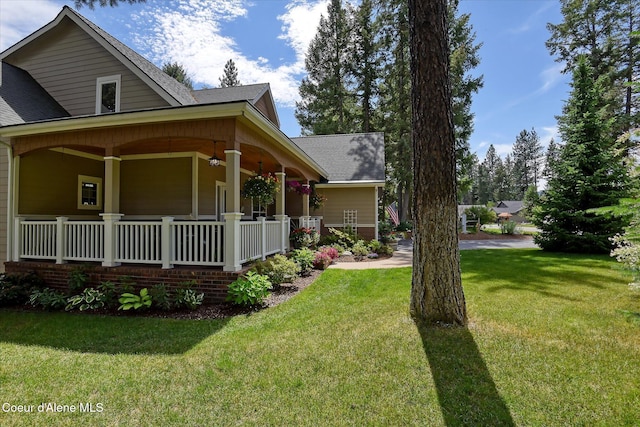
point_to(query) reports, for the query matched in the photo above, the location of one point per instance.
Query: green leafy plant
(110, 293)
(78, 280)
(89, 299)
(161, 297)
(16, 288)
(262, 188)
(47, 299)
(345, 238)
(249, 290)
(508, 227)
(360, 249)
(279, 269)
(304, 237)
(187, 298)
(130, 301)
(304, 258)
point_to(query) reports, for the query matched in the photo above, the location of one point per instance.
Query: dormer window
(108, 94)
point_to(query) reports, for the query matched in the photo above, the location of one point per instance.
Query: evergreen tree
(603, 31)
(230, 76)
(588, 174)
(178, 72)
(328, 100)
(551, 159)
(364, 66)
(464, 57)
(527, 157)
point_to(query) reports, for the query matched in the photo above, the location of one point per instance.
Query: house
(510, 209)
(108, 160)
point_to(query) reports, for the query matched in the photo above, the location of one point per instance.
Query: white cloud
(531, 21)
(550, 77)
(191, 35)
(550, 132)
(18, 19)
(503, 149)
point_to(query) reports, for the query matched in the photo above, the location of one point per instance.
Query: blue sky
(267, 39)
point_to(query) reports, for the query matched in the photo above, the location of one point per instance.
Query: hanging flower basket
(262, 188)
(316, 201)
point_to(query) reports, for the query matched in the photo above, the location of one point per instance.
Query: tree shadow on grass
(466, 391)
(105, 334)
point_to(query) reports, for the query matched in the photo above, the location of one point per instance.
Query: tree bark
(436, 288)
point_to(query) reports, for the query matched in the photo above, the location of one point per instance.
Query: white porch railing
(165, 242)
(261, 238)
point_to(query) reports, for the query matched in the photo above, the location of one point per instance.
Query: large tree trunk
(436, 288)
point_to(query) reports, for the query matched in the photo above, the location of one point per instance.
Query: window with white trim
(89, 192)
(108, 94)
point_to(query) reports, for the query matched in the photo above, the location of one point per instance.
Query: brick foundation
(213, 282)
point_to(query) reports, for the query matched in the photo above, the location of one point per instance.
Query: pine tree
(603, 31)
(364, 66)
(178, 72)
(328, 100)
(230, 76)
(527, 157)
(588, 174)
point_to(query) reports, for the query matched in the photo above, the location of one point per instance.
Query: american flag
(393, 213)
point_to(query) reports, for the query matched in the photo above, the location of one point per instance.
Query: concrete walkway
(403, 257)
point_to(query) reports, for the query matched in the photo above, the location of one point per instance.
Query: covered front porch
(164, 192)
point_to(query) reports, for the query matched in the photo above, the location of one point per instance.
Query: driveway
(403, 257)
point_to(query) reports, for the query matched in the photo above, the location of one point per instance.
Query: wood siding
(341, 199)
(67, 62)
(156, 187)
(49, 183)
(207, 178)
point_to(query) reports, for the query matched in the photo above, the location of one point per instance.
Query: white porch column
(375, 209)
(233, 180)
(17, 238)
(280, 215)
(165, 235)
(232, 217)
(304, 219)
(110, 243)
(232, 241)
(112, 185)
(61, 239)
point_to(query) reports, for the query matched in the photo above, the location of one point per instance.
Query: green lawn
(553, 341)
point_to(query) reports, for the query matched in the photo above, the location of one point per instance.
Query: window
(108, 94)
(89, 192)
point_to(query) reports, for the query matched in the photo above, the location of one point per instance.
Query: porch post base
(232, 241)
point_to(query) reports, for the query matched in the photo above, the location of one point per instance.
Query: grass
(553, 341)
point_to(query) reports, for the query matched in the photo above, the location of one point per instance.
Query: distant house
(511, 209)
(111, 161)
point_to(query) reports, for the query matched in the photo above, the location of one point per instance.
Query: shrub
(16, 288)
(89, 299)
(48, 299)
(249, 290)
(374, 246)
(404, 226)
(78, 280)
(344, 238)
(282, 270)
(161, 297)
(137, 302)
(384, 231)
(331, 251)
(321, 261)
(329, 240)
(187, 298)
(304, 237)
(508, 227)
(360, 249)
(110, 293)
(304, 258)
(385, 250)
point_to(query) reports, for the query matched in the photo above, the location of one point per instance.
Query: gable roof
(509, 206)
(167, 87)
(251, 93)
(347, 158)
(23, 100)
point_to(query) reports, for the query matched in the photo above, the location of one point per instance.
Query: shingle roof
(174, 88)
(23, 100)
(509, 206)
(250, 93)
(352, 157)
